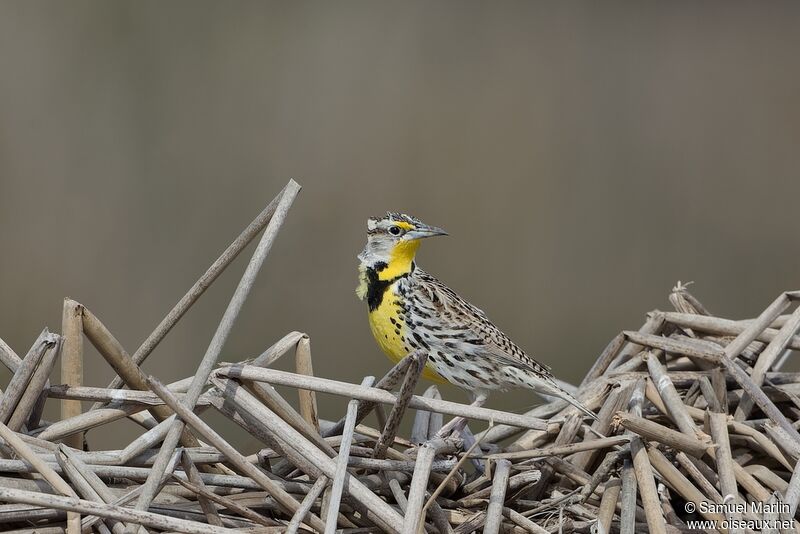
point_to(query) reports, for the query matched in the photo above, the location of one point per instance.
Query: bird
(410, 310)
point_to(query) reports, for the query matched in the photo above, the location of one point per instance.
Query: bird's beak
(423, 231)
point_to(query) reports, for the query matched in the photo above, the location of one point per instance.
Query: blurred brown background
(583, 156)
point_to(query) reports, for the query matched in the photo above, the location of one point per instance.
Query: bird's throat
(401, 260)
(375, 279)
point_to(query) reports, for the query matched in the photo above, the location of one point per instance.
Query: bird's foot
(453, 427)
(457, 424)
(469, 442)
(458, 429)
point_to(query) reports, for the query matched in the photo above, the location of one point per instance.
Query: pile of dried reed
(692, 409)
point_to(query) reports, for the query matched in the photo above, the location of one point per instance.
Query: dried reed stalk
(308, 399)
(334, 387)
(647, 487)
(277, 492)
(8, 357)
(494, 512)
(72, 363)
(542, 471)
(655, 432)
(304, 454)
(127, 370)
(414, 519)
(766, 360)
(29, 408)
(342, 462)
(392, 424)
(80, 506)
(23, 390)
(217, 342)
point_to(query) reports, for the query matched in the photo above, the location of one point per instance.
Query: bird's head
(392, 242)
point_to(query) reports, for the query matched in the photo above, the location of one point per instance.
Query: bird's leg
(457, 424)
(469, 441)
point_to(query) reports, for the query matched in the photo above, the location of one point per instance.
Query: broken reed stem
(414, 516)
(313, 493)
(654, 324)
(680, 483)
(709, 394)
(494, 512)
(702, 481)
(601, 473)
(435, 420)
(608, 505)
(206, 505)
(717, 424)
(422, 419)
(119, 397)
(725, 327)
(225, 502)
(72, 363)
(602, 364)
(653, 431)
(86, 421)
(766, 359)
(760, 398)
(30, 405)
(739, 428)
(439, 519)
(559, 450)
(669, 395)
(751, 331)
(331, 519)
(687, 346)
(308, 399)
(627, 498)
(220, 336)
(647, 487)
(20, 397)
(278, 349)
(22, 375)
(8, 357)
(418, 361)
(792, 494)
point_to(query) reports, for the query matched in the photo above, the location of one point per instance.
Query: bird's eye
(394, 230)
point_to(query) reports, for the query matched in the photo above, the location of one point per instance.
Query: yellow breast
(390, 331)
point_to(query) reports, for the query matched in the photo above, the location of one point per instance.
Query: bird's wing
(474, 327)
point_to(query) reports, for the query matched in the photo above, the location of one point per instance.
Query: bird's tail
(549, 386)
(567, 396)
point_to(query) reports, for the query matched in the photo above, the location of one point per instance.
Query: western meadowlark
(411, 310)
